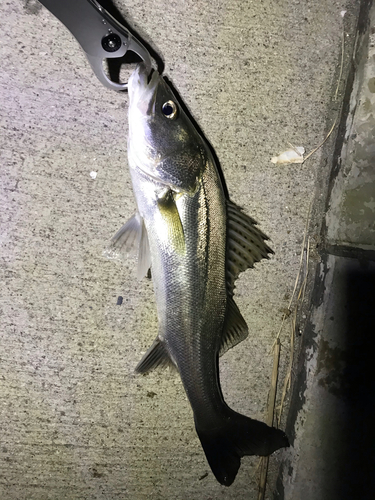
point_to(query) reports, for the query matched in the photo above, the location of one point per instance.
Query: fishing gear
(100, 35)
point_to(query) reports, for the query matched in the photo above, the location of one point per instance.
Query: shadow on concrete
(357, 463)
(331, 421)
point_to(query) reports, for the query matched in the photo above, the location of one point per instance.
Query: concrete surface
(76, 423)
(333, 406)
(350, 220)
(332, 455)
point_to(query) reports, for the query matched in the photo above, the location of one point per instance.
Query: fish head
(163, 141)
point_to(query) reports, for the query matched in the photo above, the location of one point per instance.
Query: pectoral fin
(129, 238)
(169, 212)
(144, 255)
(157, 355)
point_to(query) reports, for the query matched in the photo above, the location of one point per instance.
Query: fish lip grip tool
(100, 35)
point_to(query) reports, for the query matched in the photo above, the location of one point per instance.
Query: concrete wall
(333, 408)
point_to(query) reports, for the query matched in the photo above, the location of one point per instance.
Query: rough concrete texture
(350, 219)
(332, 412)
(76, 423)
(332, 456)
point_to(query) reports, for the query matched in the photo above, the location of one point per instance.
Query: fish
(196, 242)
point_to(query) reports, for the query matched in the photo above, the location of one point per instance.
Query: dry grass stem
(269, 420)
(342, 61)
(321, 144)
(263, 478)
(300, 297)
(335, 96)
(301, 264)
(272, 394)
(288, 376)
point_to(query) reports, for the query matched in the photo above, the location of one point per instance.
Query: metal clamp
(99, 34)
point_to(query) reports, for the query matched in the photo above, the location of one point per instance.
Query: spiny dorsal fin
(157, 355)
(245, 244)
(235, 328)
(132, 235)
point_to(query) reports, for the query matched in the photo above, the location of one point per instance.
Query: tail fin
(238, 436)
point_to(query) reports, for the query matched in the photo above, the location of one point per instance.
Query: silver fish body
(196, 243)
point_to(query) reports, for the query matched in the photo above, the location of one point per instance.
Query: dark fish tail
(236, 437)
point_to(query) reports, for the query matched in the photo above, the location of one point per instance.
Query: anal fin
(156, 355)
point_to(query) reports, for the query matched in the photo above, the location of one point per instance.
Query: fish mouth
(142, 83)
(142, 89)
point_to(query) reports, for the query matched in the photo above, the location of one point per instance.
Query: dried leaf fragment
(294, 155)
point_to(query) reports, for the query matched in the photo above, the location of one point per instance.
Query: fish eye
(169, 110)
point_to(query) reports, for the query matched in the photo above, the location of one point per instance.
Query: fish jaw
(141, 152)
(142, 93)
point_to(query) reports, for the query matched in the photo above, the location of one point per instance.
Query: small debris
(294, 155)
(95, 473)
(151, 394)
(342, 13)
(119, 300)
(204, 476)
(287, 312)
(93, 174)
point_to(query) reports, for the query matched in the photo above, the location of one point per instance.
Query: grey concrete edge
(319, 276)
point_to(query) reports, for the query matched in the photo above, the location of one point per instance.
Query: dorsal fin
(245, 244)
